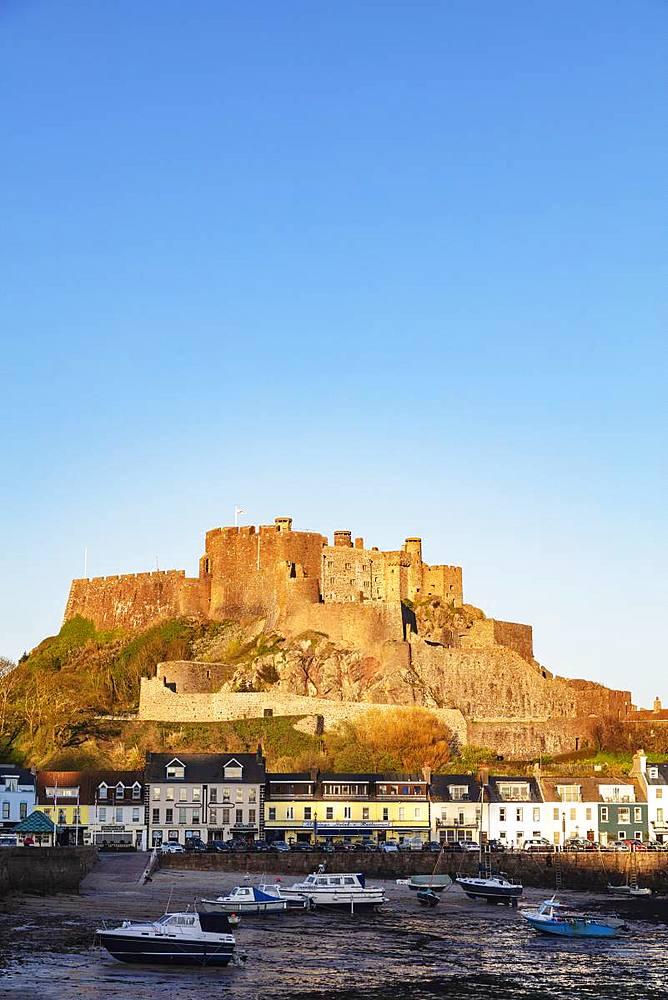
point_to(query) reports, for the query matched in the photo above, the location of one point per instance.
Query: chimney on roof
(343, 539)
(426, 774)
(314, 773)
(483, 775)
(639, 766)
(259, 757)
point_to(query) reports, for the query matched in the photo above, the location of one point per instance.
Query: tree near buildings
(397, 739)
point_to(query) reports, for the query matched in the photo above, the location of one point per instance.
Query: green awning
(36, 822)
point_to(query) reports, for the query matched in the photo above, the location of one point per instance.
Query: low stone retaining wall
(44, 870)
(589, 871)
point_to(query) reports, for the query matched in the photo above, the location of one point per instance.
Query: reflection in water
(467, 951)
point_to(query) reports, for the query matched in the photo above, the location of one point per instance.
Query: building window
(23, 810)
(574, 814)
(588, 814)
(61, 817)
(156, 815)
(251, 816)
(272, 813)
(183, 794)
(418, 812)
(252, 795)
(637, 814)
(624, 815)
(659, 793)
(307, 812)
(347, 812)
(638, 834)
(119, 814)
(555, 814)
(182, 817)
(290, 812)
(120, 791)
(386, 813)
(621, 835)
(169, 815)
(604, 814)
(103, 814)
(135, 815)
(232, 771)
(502, 815)
(170, 795)
(226, 817)
(136, 791)
(402, 812)
(197, 794)
(213, 795)
(365, 812)
(329, 812)
(175, 771)
(519, 813)
(195, 815)
(173, 836)
(239, 815)
(239, 795)
(5, 810)
(659, 815)
(156, 792)
(536, 814)
(226, 795)
(102, 792)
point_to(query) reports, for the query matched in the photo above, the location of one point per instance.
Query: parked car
(389, 847)
(260, 846)
(535, 845)
(171, 847)
(579, 844)
(279, 845)
(195, 844)
(636, 845)
(369, 845)
(238, 846)
(433, 846)
(300, 845)
(465, 846)
(495, 845)
(217, 846)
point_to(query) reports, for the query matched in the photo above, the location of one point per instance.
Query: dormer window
(233, 770)
(102, 791)
(458, 792)
(11, 783)
(654, 772)
(120, 790)
(136, 790)
(176, 769)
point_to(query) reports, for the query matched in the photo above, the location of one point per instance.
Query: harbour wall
(44, 871)
(579, 870)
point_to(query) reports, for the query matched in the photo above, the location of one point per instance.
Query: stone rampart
(580, 870)
(44, 870)
(159, 703)
(364, 626)
(137, 600)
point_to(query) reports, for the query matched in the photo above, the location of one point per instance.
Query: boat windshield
(178, 919)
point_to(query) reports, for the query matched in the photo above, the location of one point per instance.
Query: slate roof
(293, 778)
(87, 782)
(440, 784)
(36, 822)
(662, 778)
(205, 767)
(25, 776)
(493, 794)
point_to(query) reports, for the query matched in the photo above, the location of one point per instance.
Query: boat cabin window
(349, 880)
(322, 881)
(181, 920)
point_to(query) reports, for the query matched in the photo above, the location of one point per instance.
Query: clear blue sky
(396, 267)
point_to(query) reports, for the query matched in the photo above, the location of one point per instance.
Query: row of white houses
(218, 797)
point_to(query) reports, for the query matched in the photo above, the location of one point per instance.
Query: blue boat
(548, 920)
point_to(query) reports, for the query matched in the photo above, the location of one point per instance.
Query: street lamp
(315, 829)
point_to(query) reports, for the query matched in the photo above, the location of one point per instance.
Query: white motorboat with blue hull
(174, 939)
(549, 920)
(247, 899)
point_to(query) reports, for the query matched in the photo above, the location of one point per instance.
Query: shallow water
(461, 949)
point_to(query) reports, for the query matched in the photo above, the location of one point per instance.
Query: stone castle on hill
(386, 644)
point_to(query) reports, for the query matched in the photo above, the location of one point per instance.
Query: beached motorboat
(427, 897)
(549, 920)
(246, 899)
(629, 890)
(495, 888)
(346, 889)
(174, 939)
(437, 883)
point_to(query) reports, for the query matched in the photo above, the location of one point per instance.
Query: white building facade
(17, 795)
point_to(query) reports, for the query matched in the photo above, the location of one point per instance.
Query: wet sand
(462, 948)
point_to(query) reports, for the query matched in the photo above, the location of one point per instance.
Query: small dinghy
(427, 897)
(629, 890)
(437, 883)
(549, 920)
(174, 939)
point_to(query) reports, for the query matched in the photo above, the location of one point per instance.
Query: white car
(388, 847)
(172, 848)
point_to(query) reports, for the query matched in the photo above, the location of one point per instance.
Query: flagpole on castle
(237, 511)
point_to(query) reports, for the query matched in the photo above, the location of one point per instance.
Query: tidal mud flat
(462, 948)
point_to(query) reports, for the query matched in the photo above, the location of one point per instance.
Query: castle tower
(283, 524)
(343, 539)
